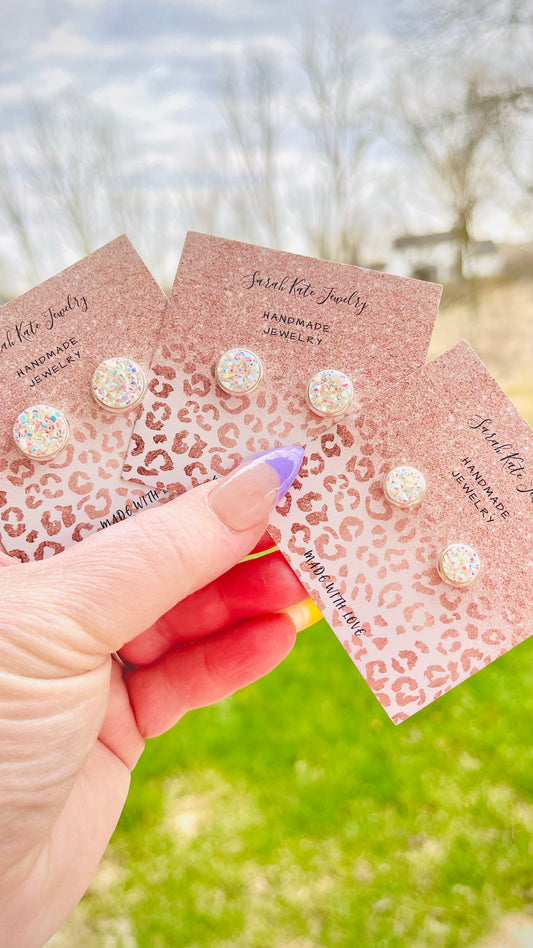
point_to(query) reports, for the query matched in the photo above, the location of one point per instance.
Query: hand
(194, 625)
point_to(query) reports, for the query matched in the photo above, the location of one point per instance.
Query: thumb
(98, 595)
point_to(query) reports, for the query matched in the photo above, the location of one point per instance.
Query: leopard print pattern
(372, 568)
(191, 431)
(45, 508)
(227, 294)
(105, 305)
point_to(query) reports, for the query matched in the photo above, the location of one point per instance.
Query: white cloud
(63, 41)
(10, 93)
(51, 81)
(88, 4)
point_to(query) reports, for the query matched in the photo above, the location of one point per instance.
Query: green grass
(295, 815)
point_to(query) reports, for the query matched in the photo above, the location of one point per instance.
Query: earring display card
(299, 316)
(372, 567)
(51, 341)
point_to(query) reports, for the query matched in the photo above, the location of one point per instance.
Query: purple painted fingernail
(246, 496)
(286, 462)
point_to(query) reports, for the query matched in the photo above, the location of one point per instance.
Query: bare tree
(251, 112)
(467, 105)
(480, 31)
(213, 197)
(516, 142)
(314, 105)
(340, 115)
(449, 127)
(15, 214)
(67, 185)
(82, 167)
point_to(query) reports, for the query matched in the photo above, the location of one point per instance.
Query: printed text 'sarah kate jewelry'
(118, 384)
(329, 393)
(459, 565)
(41, 432)
(239, 371)
(404, 486)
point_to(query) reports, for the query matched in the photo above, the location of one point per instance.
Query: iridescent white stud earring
(459, 565)
(239, 371)
(118, 384)
(329, 393)
(41, 432)
(404, 486)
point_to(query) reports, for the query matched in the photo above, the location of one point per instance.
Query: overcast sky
(158, 64)
(155, 62)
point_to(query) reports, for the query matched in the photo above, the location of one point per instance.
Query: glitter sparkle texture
(41, 432)
(459, 565)
(404, 486)
(239, 371)
(329, 393)
(118, 384)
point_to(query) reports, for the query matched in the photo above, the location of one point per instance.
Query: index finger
(92, 598)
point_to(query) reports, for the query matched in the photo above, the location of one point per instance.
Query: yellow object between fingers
(303, 614)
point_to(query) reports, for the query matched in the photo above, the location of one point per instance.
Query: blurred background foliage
(294, 814)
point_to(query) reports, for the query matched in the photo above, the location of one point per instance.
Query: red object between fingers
(251, 589)
(203, 672)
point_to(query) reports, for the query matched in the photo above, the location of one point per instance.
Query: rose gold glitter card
(51, 341)
(372, 567)
(296, 317)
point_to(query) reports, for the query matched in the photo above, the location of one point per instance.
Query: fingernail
(245, 498)
(303, 614)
